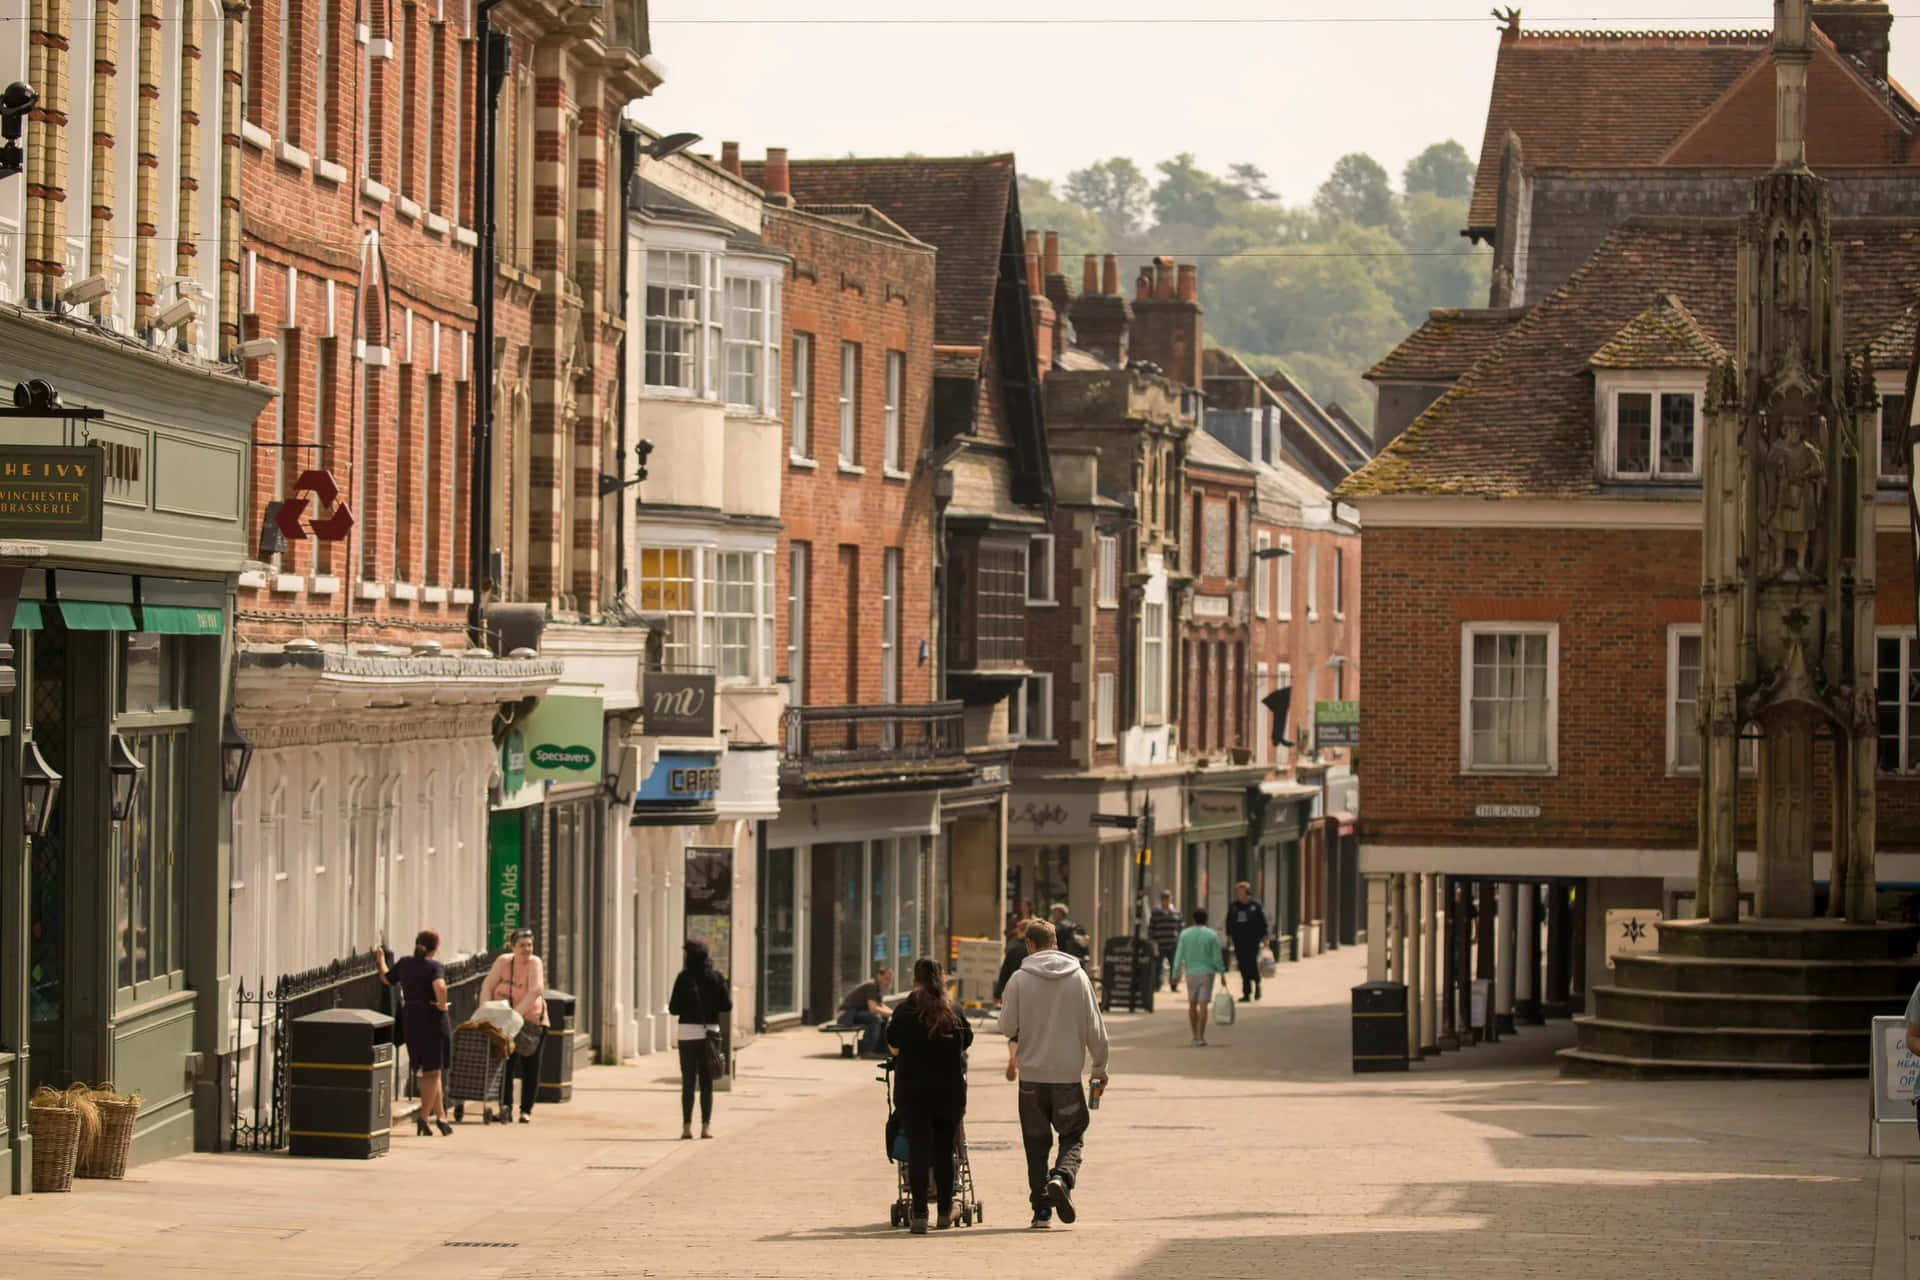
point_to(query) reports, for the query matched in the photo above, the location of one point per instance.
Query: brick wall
(1613, 593)
(1305, 640)
(1216, 671)
(849, 519)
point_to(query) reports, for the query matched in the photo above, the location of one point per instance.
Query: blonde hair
(1040, 935)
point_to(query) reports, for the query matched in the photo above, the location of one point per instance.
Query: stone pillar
(1785, 824)
(1449, 1037)
(1503, 965)
(1486, 929)
(1430, 966)
(1527, 985)
(1376, 928)
(1411, 934)
(1555, 1001)
(1397, 927)
(1577, 948)
(1463, 966)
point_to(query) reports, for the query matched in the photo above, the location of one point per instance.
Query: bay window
(718, 609)
(753, 342)
(711, 335)
(675, 317)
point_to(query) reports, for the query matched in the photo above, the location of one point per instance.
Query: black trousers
(528, 1069)
(694, 1069)
(932, 1125)
(1247, 954)
(1166, 950)
(1045, 1109)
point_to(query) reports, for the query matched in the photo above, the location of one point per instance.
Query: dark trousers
(1166, 958)
(875, 1041)
(1044, 1109)
(694, 1069)
(932, 1125)
(1247, 954)
(528, 1069)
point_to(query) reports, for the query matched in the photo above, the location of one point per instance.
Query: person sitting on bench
(863, 1007)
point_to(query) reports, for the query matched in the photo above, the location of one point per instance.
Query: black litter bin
(556, 1050)
(1380, 1027)
(341, 1103)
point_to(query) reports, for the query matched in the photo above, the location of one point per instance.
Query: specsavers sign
(563, 736)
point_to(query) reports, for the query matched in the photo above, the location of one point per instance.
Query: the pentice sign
(679, 705)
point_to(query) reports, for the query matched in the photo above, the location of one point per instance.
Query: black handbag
(711, 1047)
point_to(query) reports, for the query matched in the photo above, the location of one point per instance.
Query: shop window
(780, 935)
(153, 672)
(151, 844)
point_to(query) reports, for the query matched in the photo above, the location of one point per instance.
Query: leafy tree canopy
(1443, 169)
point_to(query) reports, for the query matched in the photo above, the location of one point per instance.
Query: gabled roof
(1203, 450)
(958, 205)
(1351, 448)
(1446, 344)
(1664, 336)
(1520, 422)
(1632, 100)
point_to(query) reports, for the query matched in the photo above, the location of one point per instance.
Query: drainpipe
(495, 53)
(629, 158)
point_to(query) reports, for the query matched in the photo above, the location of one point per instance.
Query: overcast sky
(1284, 84)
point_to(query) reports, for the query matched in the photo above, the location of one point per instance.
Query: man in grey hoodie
(1053, 1025)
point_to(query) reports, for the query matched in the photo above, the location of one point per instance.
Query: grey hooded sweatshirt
(1048, 1007)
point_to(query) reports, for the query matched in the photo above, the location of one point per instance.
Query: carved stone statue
(1796, 473)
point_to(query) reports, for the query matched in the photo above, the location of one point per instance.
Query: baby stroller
(967, 1208)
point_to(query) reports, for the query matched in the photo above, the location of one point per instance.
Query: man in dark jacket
(1072, 938)
(1164, 931)
(1016, 956)
(1246, 930)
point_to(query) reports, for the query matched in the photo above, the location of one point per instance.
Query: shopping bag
(1267, 965)
(1223, 1009)
(500, 1014)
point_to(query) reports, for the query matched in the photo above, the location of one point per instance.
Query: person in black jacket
(700, 1000)
(1015, 956)
(929, 1040)
(1247, 929)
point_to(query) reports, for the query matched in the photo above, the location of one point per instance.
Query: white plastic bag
(1223, 1008)
(1267, 965)
(500, 1014)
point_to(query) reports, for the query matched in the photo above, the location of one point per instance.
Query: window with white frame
(1153, 662)
(13, 191)
(1109, 571)
(765, 624)
(718, 606)
(1262, 735)
(797, 564)
(1898, 696)
(676, 319)
(1105, 686)
(800, 445)
(1283, 580)
(1652, 434)
(896, 387)
(1339, 582)
(1040, 569)
(286, 122)
(1893, 438)
(890, 626)
(1684, 746)
(752, 337)
(849, 404)
(667, 578)
(733, 600)
(1313, 584)
(1261, 583)
(1509, 697)
(1031, 715)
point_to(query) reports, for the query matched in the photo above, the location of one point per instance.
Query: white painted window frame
(1609, 388)
(1041, 545)
(1109, 566)
(1262, 584)
(892, 460)
(1106, 689)
(800, 408)
(1153, 662)
(1468, 632)
(1283, 581)
(1749, 748)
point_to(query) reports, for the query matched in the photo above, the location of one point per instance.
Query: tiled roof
(957, 205)
(1664, 336)
(1446, 345)
(1520, 422)
(1602, 99)
(1205, 451)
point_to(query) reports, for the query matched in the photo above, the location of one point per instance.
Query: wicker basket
(56, 1146)
(106, 1156)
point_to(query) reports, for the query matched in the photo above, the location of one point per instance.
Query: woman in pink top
(520, 979)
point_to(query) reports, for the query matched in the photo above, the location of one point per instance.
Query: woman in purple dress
(424, 1023)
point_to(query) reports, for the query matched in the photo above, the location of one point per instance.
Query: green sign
(563, 738)
(513, 763)
(505, 898)
(1336, 724)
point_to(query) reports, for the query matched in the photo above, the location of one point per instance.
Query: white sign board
(1632, 931)
(1506, 811)
(1895, 1079)
(977, 964)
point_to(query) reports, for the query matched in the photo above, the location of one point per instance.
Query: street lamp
(126, 769)
(16, 100)
(236, 753)
(39, 788)
(1272, 553)
(671, 145)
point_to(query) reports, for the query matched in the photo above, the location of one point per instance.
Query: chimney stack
(1089, 276)
(1100, 316)
(774, 181)
(1860, 29)
(1110, 276)
(1166, 325)
(1050, 256)
(730, 157)
(1033, 263)
(1045, 322)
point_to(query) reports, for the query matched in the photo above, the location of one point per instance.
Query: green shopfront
(113, 917)
(1240, 827)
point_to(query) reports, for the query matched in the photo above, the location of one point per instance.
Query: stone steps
(1796, 940)
(1723, 1009)
(1586, 1062)
(1767, 977)
(1751, 1045)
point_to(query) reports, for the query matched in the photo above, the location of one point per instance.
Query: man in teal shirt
(1198, 955)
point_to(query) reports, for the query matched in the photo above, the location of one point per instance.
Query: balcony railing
(872, 747)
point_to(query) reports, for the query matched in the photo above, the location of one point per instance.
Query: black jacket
(1247, 922)
(1010, 965)
(700, 998)
(928, 1064)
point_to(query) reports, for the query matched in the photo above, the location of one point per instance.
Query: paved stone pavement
(1260, 1155)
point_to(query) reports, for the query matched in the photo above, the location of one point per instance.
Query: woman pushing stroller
(929, 1039)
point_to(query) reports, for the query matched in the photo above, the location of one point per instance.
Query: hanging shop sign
(316, 490)
(513, 762)
(680, 789)
(51, 492)
(563, 737)
(1336, 724)
(505, 899)
(678, 704)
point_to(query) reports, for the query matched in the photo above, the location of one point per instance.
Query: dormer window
(1652, 434)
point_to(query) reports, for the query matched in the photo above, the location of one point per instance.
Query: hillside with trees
(1323, 289)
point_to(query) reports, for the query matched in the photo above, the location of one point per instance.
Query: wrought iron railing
(828, 737)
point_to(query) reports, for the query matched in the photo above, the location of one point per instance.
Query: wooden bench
(850, 1037)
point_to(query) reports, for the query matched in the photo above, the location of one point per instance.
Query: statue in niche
(1796, 473)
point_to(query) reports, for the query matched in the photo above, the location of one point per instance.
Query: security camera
(81, 292)
(174, 314)
(257, 348)
(16, 100)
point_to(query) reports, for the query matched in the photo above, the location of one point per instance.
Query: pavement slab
(1258, 1155)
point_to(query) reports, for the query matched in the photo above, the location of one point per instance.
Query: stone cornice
(331, 678)
(316, 727)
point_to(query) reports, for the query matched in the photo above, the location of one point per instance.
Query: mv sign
(679, 704)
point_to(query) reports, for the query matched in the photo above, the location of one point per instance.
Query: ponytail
(425, 943)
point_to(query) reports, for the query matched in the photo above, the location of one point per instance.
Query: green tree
(1249, 182)
(1186, 194)
(1356, 191)
(1042, 210)
(1443, 169)
(1113, 189)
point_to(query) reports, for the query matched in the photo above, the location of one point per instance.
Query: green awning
(178, 620)
(91, 615)
(26, 616)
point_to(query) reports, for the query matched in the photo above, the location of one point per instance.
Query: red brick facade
(1301, 634)
(1215, 680)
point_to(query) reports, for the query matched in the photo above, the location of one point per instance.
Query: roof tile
(1664, 336)
(1445, 345)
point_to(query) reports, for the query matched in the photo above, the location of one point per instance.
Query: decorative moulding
(434, 595)
(287, 153)
(324, 584)
(405, 591)
(254, 136)
(371, 591)
(289, 583)
(328, 171)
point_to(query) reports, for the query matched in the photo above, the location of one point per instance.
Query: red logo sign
(330, 528)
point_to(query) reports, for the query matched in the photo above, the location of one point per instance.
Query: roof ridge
(978, 159)
(1708, 35)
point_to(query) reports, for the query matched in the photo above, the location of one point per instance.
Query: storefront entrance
(866, 914)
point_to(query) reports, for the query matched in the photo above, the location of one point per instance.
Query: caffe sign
(51, 493)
